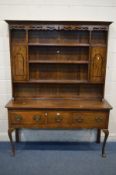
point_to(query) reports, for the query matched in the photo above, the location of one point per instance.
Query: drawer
(89, 119)
(27, 118)
(59, 119)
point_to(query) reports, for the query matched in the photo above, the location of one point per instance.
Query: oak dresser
(58, 76)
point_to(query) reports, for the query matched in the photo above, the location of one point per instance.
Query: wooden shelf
(59, 82)
(60, 44)
(58, 62)
(98, 45)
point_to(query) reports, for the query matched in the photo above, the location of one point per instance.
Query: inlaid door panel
(97, 67)
(19, 62)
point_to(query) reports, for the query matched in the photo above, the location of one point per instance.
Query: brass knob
(18, 117)
(46, 114)
(37, 118)
(79, 119)
(98, 119)
(58, 51)
(58, 119)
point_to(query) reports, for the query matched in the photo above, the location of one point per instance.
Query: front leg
(106, 132)
(10, 130)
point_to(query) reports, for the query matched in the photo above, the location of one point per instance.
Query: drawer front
(59, 119)
(32, 118)
(89, 119)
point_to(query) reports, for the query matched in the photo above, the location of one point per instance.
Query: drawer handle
(57, 51)
(79, 120)
(58, 119)
(37, 118)
(18, 118)
(98, 119)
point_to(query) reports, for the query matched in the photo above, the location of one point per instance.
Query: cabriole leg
(106, 132)
(10, 130)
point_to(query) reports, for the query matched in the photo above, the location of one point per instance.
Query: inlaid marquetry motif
(19, 63)
(97, 64)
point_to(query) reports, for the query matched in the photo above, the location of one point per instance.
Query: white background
(87, 10)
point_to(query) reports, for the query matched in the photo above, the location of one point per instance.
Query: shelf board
(58, 62)
(59, 44)
(59, 82)
(98, 45)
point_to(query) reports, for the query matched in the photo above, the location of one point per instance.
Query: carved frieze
(58, 27)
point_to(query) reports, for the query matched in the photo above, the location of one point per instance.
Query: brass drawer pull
(57, 51)
(18, 118)
(79, 120)
(99, 119)
(58, 119)
(37, 118)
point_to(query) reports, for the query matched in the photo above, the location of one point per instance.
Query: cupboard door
(19, 62)
(97, 66)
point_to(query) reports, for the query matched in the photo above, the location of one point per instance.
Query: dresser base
(58, 114)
